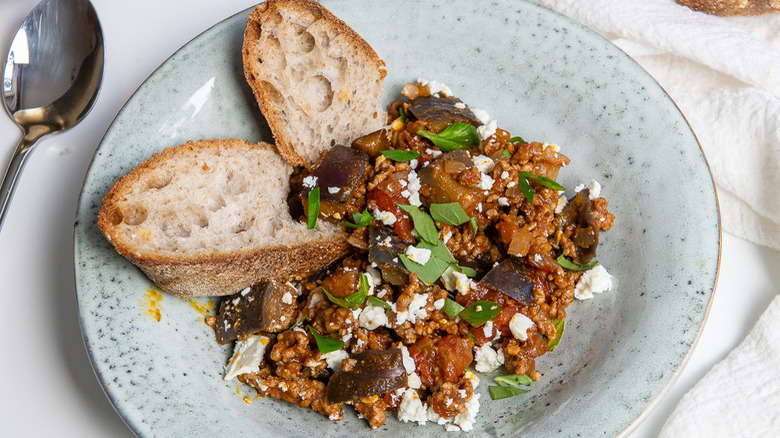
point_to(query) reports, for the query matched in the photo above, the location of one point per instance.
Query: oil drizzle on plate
(150, 304)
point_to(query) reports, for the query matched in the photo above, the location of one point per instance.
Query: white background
(47, 386)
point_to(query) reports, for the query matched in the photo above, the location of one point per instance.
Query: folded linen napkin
(740, 396)
(724, 74)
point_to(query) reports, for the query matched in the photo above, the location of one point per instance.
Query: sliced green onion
(568, 264)
(324, 343)
(314, 207)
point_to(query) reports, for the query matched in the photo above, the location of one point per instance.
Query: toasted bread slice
(734, 7)
(317, 82)
(210, 217)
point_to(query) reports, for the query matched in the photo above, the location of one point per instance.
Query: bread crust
(734, 7)
(214, 272)
(286, 141)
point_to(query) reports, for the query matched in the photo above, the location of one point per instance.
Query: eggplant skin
(260, 309)
(510, 277)
(375, 372)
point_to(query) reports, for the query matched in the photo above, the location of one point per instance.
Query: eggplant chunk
(373, 143)
(577, 214)
(375, 372)
(440, 112)
(440, 183)
(265, 307)
(383, 250)
(511, 278)
(339, 175)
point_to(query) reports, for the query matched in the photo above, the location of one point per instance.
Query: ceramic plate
(540, 76)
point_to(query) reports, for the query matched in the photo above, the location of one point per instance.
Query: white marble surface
(47, 387)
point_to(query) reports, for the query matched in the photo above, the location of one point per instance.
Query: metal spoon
(51, 78)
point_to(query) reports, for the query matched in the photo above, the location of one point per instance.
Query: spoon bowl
(51, 78)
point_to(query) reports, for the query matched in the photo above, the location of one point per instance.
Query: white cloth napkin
(724, 74)
(743, 390)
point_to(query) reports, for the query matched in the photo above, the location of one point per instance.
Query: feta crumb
(412, 408)
(438, 304)
(287, 298)
(487, 359)
(487, 329)
(562, 200)
(413, 381)
(414, 188)
(467, 418)
(486, 182)
(247, 356)
(416, 309)
(483, 163)
(334, 190)
(504, 175)
(594, 189)
(446, 236)
(487, 130)
(386, 217)
(594, 281)
(245, 291)
(436, 88)
(554, 147)
(481, 115)
(413, 163)
(462, 282)
(451, 428)
(459, 105)
(310, 182)
(503, 201)
(372, 317)
(407, 360)
(418, 255)
(519, 325)
(334, 358)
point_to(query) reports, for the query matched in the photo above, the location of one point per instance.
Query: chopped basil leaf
(400, 156)
(517, 139)
(438, 250)
(500, 392)
(451, 213)
(459, 135)
(525, 187)
(473, 339)
(547, 182)
(528, 192)
(360, 220)
(299, 321)
(314, 207)
(376, 302)
(465, 270)
(402, 113)
(360, 296)
(423, 224)
(451, 308)
(480, 312)
(324, 343)
(513, 380)
(347, 303)
(429, 272)
(474, 226)
(560, 324)
(506, 153)
(568, 264)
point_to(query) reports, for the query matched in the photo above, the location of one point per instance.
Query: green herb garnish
(480, 312)
(324, 343)
(400, 156)
(528, 192)
(452, 308)
(459, 135)
(299, 321)
(450, 213)
(439, 250)
(314, 207)
(506, 153)
(376, 302)
(360, 220)
(517, 139)
(351, 302)
(560, 324)
(500, 392)
(568, 264)
(402, 114)
(474, 227)
(429, 272)
(513, 380)
(510, 386)
(423, 224)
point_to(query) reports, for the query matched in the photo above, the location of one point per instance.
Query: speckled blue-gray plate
(539, 75)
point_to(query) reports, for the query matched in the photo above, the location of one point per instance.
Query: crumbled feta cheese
(247, 356)
(503, 201)
(287, 298)
(436, 88)
(438, 304)
(416, 309)
(486, 182)
(487, 359)
(334, 190)
(446, 236)
(459, 105)
(594, 189)
(483, 163)
(504, 175)
(414, 188)
(562, 200)
(554, 147)
(413, 380)
(386, 217)
(310, 182)
(519, 325)
(372, 317)
(334, 358)
(418, 255)
(451, 428)
(594, 281)
(467, 418)
(412, 408)
(487, 329)
(246, 291)
(481, 115)
(409, 365)
(487, 130)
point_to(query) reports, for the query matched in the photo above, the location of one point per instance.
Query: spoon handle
(11, 175)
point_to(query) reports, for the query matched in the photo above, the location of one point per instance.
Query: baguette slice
(728, 8)
(210, 218)
(317, 82)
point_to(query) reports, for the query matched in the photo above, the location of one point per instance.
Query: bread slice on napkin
(210, 218)
(729, 8)
(317, 82)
